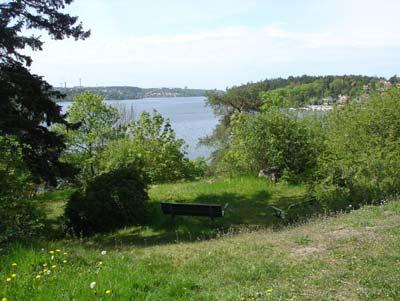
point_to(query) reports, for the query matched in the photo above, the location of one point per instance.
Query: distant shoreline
(149, 97)
(131, 93)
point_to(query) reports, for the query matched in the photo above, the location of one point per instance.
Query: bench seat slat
(211, 210)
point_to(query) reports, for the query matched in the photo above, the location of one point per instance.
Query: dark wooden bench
(193, 209)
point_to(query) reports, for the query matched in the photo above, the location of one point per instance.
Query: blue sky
(220, 43)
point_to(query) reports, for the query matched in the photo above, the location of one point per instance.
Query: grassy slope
(353, 256)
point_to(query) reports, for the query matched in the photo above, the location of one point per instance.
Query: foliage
(98, 125)
(361, 158)
(293, 96)
(27, 106)
(279, 92)
(18, 218)
(151, 143)
(15, 178)
(110, 201)
(274, 139)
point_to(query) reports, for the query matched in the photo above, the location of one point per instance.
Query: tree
(98, 125)
(151, 142)
(27, 107)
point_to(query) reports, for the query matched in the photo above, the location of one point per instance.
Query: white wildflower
(103, 252)
(92, 285)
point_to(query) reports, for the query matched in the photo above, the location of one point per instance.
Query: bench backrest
(210, 210)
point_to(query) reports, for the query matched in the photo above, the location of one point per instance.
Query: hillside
(353, 256)
(127, 92)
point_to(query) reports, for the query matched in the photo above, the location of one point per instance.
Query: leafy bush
(110, 201)
(360, 161)
(151, 143)
(18, 217)
(272, 139)
(196, 169)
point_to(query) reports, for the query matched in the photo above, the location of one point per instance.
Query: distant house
(383, 85)
(343, 99)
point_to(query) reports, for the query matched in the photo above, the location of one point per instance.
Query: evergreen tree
(27, 107)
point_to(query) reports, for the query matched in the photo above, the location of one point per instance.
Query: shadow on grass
(243, 211)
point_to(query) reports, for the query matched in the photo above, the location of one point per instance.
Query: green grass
(53, 202)
(248, 198)
(352, 256)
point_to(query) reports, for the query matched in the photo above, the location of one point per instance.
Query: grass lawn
(354, 256)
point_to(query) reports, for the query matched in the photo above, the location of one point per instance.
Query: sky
(219, 43)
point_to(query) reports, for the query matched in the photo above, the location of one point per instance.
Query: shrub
(271, 139)
(110, 201)
(151, 142)
(196, 169)
(360, 161)
(19, 219)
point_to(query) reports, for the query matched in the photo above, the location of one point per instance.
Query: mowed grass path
(354, 256)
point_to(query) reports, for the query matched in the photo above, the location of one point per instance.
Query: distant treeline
(298, 91)
(126, 92)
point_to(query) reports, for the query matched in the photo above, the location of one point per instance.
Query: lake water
(190, 117)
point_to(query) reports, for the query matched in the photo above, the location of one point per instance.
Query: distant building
(383, 85)
(343, 99)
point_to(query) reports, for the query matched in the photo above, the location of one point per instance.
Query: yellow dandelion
(4, 299)
(37, 277)
(8, 279)
(269, 291)
(51, 252)
(45, 264)
(108, 292)
(45, 270)
(14, 264)
(58, 250)
(53, 266)
(13, 275)
(65, 253)
(100, 263)
(64, 261)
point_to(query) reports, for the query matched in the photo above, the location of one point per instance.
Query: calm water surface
(190, 117)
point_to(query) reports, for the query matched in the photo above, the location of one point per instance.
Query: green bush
(272, 139)
(110, 201)
(19, 219)
(151, 143)
(196, 169)
(360, 161)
